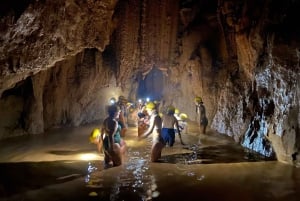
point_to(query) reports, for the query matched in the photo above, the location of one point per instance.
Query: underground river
(63, 165)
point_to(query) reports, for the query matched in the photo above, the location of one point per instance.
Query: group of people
(109, 139)
(163, 130)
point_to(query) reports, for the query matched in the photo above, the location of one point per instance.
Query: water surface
(63, 165)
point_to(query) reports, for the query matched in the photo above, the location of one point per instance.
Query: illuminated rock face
(61, 62)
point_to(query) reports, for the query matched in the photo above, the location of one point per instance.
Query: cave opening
(17, 102)
(151, 86)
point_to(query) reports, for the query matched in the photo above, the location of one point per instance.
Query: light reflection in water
(141, 182)
(133, 179)
(90, 170)
(212, 170)
(136, 178)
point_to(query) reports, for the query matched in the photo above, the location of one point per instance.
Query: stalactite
(219, 16)
(143, 34)
(127, 46)
(226, 22)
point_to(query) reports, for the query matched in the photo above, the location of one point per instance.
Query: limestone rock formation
(61, 62)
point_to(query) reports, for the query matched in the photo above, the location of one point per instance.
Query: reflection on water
(209, 167)
(22, 177)
(131, 181)
(214, 154)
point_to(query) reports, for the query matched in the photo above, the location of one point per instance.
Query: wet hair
(141, 115)
(170, 110)
(112, 109)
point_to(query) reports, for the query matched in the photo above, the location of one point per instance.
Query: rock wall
(61, 62)
(52, 64)
(55, 31)
(265, 89)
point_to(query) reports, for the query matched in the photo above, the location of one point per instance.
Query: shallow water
(63, 165)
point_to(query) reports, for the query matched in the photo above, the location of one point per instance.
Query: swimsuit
(117, 138)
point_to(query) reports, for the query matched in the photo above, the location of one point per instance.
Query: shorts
(168, 135)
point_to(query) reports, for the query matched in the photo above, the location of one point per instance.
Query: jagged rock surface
(61, 61)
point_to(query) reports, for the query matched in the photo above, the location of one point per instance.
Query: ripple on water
(133, 180)
(182, 172)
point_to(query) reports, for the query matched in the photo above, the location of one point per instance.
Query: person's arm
(100, 141)
(179, 133)
(122, 119)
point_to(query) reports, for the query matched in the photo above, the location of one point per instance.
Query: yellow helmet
(198, 99)
(95, 134)
(150, 105)
(183, 116)
(131, 110)
(176, 111)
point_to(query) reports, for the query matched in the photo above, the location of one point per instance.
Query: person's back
(112, 127)
(155, 124)
(203, 118)
(114, 146)
(169, 124)
(200, 109)
(169, 121)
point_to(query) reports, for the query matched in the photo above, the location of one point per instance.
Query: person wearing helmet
(176, 114)
(182, 122)
(200, 109)
(169, 125)
(95, 138)
(154, 128)
(141, 109)
(114, 146)
(197, 100)
(122, 103)
(142, 117)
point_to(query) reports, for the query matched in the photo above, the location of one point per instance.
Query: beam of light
(90, 157)
(112, 101)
